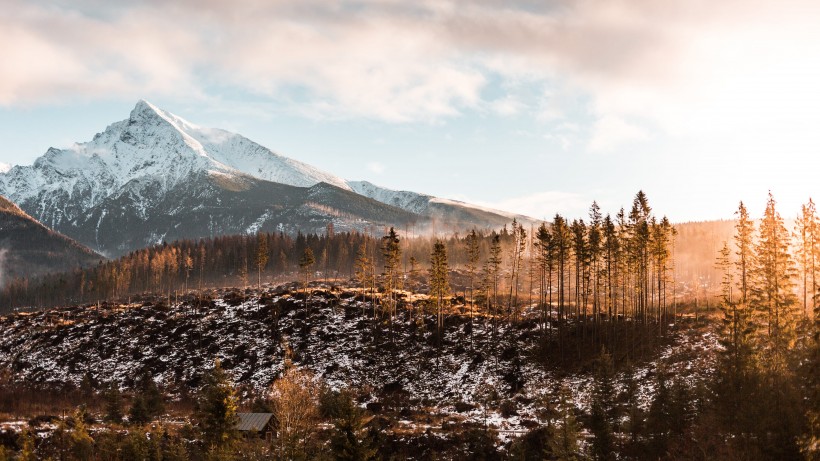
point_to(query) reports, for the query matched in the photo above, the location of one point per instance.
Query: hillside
(27, 248)
(334, 336)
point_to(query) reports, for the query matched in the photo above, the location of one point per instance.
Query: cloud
(690, 68)
(375, 167)
(611, 132)
(543, 205)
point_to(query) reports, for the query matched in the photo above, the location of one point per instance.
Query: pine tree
(243, 272)
(363, 269)
(113, 404)
(634, 424)
(612, 258)
(154, 400)
(546, 263)
(439, 280)
(639, 244)
(732, 383)
(772, 290)
(261, 256)
(473, 256)
(493, 270)
(138, 414)
(349, 442)
(744, 230)
(806, 229)
(603, 409)
(566, 433)
(517, 250)
(305, 265)
(659, 418)
(580, 250)
(216, 408)
(391, 254)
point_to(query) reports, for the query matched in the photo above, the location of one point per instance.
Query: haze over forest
(432, 230)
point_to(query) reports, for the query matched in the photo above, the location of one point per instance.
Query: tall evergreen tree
(772, 291)
(493, 271)
(603, 409)
(391, 254)
(113, 404)
(517, 250)
(473, 256)
(744, 232)
(595, 253)
(545, 243)
(363, 269)
(806, 229)
(216, 409)
(261, 256)
(349, 441)
(566, 433)
(305, 266)
(439, 280)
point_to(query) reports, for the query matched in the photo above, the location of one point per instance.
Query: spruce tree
(566, 432)
(363, 269)
(439, 281)
(603, 409)
(349, 442)
(113, 404)
(733, 386)
(806, 229)
(391, 254)
(546, 264)
(138, 414)
(493, 271)
(261, 256)
(216, 408)
(744, 230)
(305, 266)
(473, 256)
(772, 293)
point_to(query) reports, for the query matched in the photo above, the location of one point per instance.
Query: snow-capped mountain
(151, 148)
(436, 207)
(155, 176)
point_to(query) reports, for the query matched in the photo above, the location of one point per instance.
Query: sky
(536, 107)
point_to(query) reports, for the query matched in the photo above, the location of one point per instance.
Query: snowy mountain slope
(211, 204)
(151, 145)
(406, 200)
(439, 209)
(154, 176)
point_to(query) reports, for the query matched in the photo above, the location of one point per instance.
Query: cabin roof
(253, 421)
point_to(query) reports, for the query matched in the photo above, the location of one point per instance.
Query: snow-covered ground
(336, 338)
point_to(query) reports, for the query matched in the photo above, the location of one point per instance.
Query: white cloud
(543, 205)
(691, 68)
(376, 167)
(611, 132)
(507, 106)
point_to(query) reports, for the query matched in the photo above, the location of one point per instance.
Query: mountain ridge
(140, 172)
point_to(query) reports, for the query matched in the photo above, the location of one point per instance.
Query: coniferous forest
(573, 339)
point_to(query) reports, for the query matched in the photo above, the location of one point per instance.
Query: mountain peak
(145, 111)
(144, 108)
